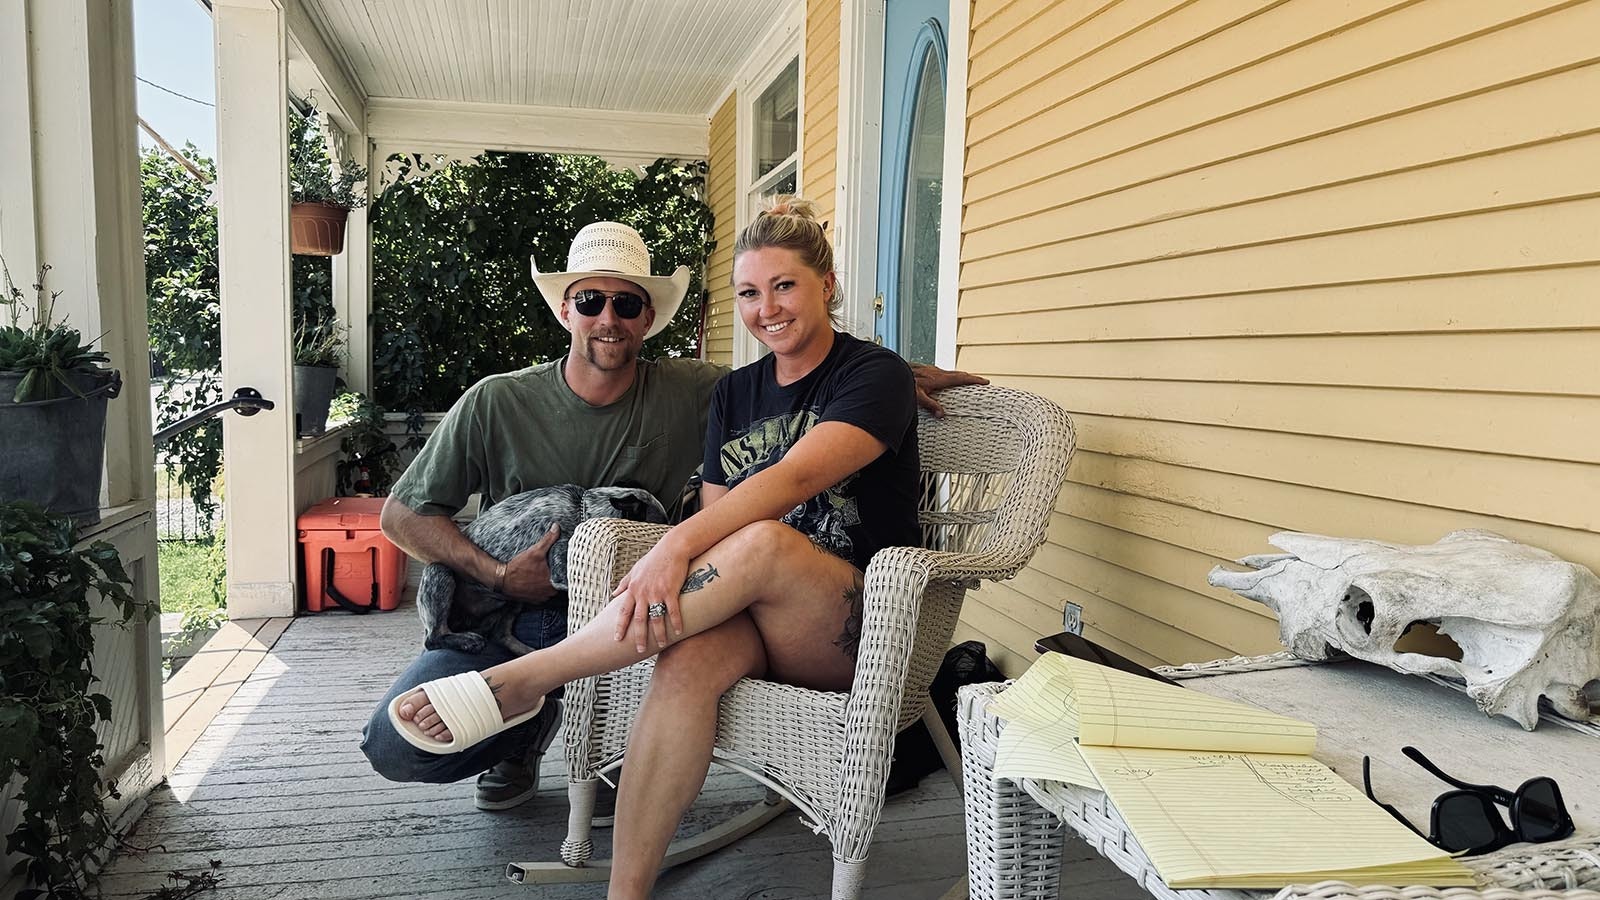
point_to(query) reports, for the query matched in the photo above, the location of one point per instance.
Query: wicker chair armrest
(600, 553)
(967, 568)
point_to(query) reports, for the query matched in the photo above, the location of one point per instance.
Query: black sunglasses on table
(591, 302)
(1465, 820)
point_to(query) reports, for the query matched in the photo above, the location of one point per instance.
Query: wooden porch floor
(275, 788)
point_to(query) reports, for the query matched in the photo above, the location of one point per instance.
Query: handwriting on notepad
(1305, 782)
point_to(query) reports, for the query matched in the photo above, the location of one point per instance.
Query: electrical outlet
(1072, 619)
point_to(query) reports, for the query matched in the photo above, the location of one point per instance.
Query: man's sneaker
(514, 781)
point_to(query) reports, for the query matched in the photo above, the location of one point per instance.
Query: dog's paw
(466, 642)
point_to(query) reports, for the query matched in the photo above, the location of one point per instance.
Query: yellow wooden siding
(721, 193)
(1291, 265)
(820, 124)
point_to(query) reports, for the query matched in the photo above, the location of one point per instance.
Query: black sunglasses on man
(591, 302)
(1465, 820)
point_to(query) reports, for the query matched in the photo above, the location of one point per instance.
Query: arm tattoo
(849, 640)
(699, 578)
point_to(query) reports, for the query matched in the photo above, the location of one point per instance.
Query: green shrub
(48, 715)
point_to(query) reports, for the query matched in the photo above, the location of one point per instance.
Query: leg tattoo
(849, 640)
(495, 690)
(699, 578)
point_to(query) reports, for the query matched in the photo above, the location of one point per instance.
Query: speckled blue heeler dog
(461, 614)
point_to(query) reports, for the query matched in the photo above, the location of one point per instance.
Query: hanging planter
(317, 229)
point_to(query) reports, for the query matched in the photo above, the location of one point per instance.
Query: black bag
(915, 754)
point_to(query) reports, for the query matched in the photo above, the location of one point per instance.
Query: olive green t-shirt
(521, 430)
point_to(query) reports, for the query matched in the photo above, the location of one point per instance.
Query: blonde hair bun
(789, 205)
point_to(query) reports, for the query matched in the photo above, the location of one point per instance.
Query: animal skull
(1525, 619)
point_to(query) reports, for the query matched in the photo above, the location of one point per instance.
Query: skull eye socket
(1365, 611)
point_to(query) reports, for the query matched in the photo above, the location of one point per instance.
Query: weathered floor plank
(276, 788)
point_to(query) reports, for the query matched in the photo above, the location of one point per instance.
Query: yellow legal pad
(1218, 793)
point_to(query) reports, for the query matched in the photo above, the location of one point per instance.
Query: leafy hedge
(453, 300)
(453, 293)
(180, 282)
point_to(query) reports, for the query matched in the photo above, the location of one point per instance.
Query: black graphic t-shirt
(754, 421)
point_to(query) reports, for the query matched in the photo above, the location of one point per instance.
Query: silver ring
(656, 610)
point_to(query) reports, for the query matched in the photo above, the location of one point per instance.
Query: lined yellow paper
(1029, 750)
(1257, 820)
(1125, 710)
(1218, 793)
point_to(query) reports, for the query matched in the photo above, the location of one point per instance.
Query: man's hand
(933, 378)
(528, 573)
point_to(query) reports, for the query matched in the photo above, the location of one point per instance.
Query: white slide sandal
(467, 707)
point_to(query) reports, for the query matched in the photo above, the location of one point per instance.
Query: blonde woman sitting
(810, 468)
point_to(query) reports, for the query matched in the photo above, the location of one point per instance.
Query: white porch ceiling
(671, 57)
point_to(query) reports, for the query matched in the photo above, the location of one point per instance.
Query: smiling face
(605, 342)
(784, 303)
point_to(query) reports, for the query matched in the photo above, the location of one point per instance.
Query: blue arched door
(911, 176)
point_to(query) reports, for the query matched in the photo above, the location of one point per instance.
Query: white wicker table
(1014, 831)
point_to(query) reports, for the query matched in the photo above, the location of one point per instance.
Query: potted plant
(371, 459)
(321, 194)
(49, 744)
(316, 372)
(53, 394)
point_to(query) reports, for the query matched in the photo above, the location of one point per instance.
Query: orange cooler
(348, 561)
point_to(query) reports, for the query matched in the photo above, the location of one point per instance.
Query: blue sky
(172, 48)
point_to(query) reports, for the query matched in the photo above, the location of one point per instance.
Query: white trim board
(313, 66)
(855, 227)
(785, 41)
(860, 145)
(423, 125)
(955, 179)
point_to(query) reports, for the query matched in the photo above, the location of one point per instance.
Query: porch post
(352, 280)
(69, 198)
(253, 256)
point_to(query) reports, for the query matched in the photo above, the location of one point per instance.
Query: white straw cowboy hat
(613, 250)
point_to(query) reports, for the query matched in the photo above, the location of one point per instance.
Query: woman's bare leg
(669, 748)
(805, 602)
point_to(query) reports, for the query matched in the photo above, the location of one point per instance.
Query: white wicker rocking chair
(991, 471)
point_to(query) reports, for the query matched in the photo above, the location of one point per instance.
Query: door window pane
(777, 120)
(919, 241)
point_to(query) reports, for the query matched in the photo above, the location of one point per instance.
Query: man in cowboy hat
(599, 416)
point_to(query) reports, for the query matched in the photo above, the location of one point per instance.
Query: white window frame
(781, 46)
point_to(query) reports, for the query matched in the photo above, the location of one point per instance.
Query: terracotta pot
(316, 229)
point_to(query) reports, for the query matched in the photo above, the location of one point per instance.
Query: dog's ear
(630, 506)
(640, 507)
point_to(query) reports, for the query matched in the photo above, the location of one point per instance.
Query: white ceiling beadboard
(660, 56)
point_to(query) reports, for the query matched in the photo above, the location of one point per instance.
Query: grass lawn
(192, 579)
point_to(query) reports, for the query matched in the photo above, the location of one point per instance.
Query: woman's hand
(656, 578)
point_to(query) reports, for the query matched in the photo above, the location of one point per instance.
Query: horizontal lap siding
(819, 127)
(1291, 265)
(721, 192)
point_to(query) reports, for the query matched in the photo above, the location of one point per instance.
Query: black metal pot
(52, 451)
(313, 392)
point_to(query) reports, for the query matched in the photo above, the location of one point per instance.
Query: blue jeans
(395, 759)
